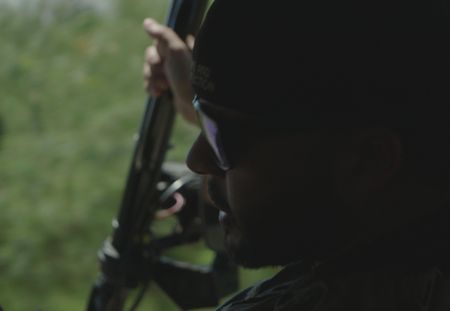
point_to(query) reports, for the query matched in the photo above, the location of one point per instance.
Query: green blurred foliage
(71, 100)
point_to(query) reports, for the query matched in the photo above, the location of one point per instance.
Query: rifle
(131, 258)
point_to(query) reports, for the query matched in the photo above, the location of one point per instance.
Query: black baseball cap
(385, 61)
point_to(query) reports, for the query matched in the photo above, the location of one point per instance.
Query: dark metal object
(131, 257)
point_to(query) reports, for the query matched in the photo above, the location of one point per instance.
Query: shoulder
(375, 290)
(413, 290)
(266, 294)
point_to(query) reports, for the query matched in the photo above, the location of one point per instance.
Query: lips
(217, 197)
(226, 221)
(219, 201)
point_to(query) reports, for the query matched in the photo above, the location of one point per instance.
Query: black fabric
(422, 244)
(387, 58)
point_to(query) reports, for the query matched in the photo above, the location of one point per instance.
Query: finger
(151, 55)
(159, 82)
(153, 64)
(165, 36)
(155, 72)
(152, 91)
(180, 202)
(190, 40)
(149, 89)
(156, 83)
(146, 71)
(155, 88)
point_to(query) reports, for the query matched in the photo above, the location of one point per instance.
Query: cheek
(281, 189)
(266, 189)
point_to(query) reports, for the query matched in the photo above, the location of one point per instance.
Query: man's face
(277, 202)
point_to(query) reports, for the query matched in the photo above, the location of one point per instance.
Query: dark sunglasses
(228, 130)
(212, 130)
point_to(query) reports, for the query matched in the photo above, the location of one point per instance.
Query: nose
(201, 158)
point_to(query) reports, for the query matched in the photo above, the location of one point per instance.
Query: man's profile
(325, 141)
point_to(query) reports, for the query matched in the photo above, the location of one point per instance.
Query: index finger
(165, 36)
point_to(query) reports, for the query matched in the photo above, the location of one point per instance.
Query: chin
(256, 254)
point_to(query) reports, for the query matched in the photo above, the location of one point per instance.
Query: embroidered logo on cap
(201, 76)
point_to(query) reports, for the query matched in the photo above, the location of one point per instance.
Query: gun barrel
(121, 258)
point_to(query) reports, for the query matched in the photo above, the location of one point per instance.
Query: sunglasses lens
(212, 133)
